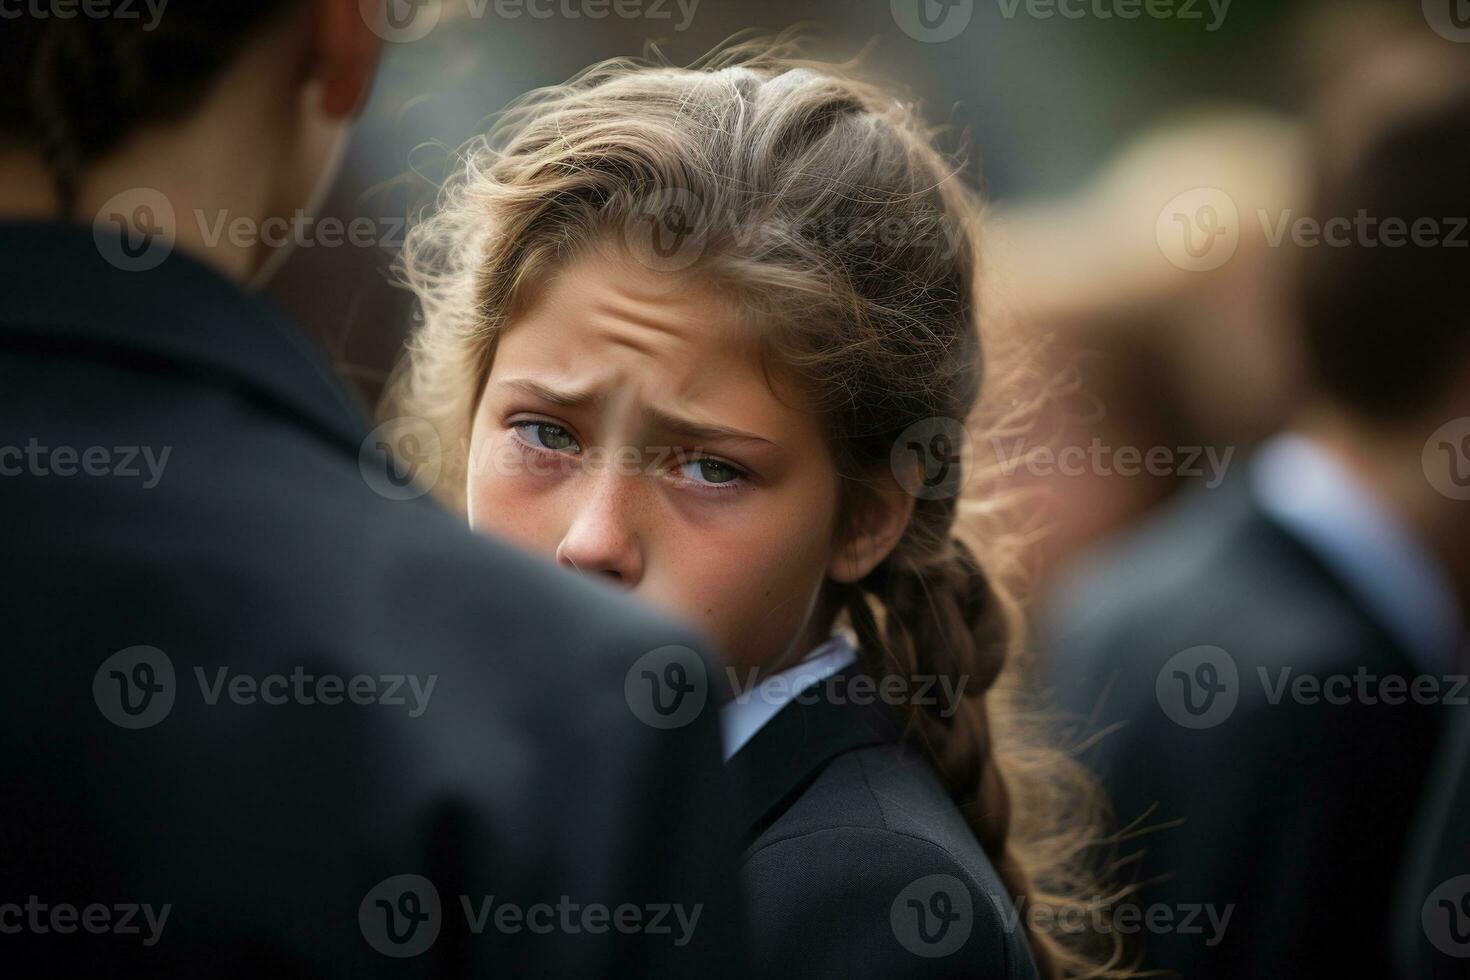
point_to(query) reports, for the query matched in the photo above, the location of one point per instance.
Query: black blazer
(1289, 817)
(858, 864)
(1433, 924)
(275, 832)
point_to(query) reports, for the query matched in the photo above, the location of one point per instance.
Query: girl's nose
(602, 539)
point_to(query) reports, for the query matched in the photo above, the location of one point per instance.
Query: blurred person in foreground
(1266, 662)
(269, 712)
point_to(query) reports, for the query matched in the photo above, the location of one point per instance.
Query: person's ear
(346, 55)
(879, 515)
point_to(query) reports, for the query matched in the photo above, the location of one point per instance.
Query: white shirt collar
(748, 712)
(1299, 484)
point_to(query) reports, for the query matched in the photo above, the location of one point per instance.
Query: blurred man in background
(1145, 353)
(1270, 661)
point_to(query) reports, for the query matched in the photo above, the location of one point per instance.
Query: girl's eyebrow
(687, 428)
(690, 429)
(566, 399)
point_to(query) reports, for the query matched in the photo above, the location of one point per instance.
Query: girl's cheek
(516, 508)
(745, 579)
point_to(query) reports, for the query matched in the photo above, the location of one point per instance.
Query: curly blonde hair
(825, 206)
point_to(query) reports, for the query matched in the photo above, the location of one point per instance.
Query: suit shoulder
(1147, 570)
(885, 793)
(1210, 570)
(876, 836)
(871, 901)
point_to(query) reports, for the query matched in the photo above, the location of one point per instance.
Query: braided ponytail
(942, 617)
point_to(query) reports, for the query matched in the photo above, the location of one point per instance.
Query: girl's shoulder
(874, 855)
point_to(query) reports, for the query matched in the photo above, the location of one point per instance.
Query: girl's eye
(547, 435)
(710, 471)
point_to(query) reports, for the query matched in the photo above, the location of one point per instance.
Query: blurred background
(1100, 139)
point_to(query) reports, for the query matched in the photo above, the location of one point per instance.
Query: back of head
(77, 87)
(1385, 313)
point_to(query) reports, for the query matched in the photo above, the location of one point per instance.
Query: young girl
(711, 334)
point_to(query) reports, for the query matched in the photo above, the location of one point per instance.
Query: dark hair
(77, 87)
(1387, 326)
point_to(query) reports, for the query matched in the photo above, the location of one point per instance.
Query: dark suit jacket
(1293, 814)
(858, 863)
(269, 820)
(1433, 924)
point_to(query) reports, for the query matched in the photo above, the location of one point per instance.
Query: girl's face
(627, 430)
